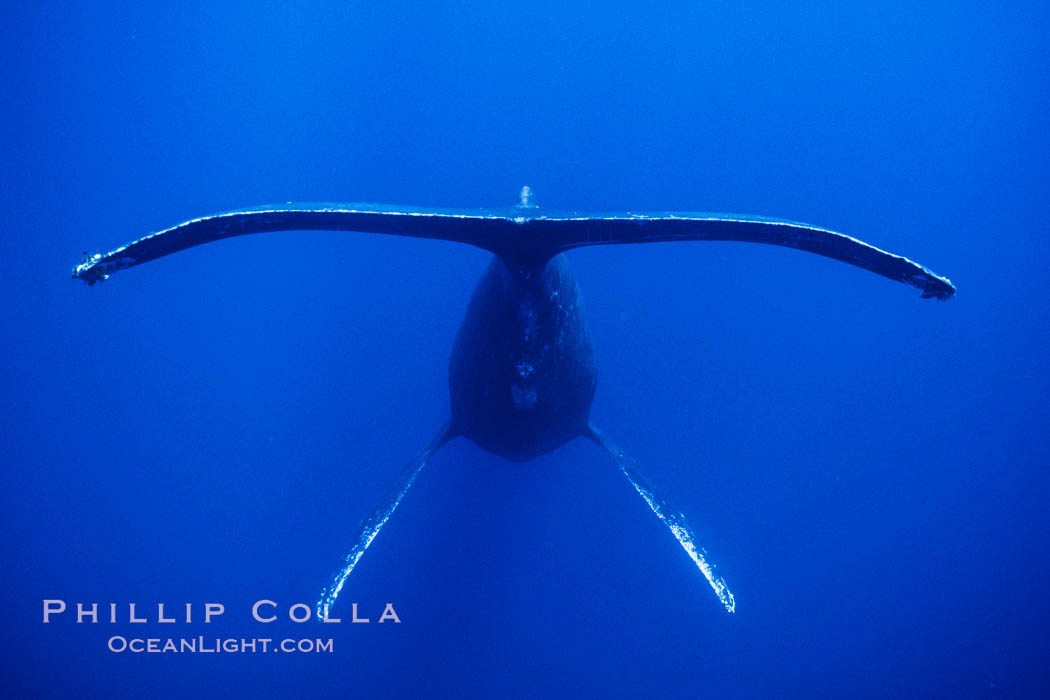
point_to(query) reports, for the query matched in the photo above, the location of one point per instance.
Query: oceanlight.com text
(217, 645)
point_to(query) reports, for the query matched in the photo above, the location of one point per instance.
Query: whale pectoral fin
(671, 516)
(375, 521)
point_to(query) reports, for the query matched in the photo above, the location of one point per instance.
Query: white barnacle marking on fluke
(86, 263)
(95, 268)
(526, 198)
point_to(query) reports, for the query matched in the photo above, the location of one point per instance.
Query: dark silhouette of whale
(522, 375)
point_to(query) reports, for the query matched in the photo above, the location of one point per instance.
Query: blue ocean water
(868, 469)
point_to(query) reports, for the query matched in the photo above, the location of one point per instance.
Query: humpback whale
(522, 374)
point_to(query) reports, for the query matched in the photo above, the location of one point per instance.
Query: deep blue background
(868, 469)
